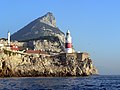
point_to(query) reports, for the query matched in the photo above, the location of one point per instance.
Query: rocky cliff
(49, 44)
(43, 26)
(19, 64)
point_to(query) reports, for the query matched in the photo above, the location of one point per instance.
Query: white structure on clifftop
(68, 44)
(8, 37)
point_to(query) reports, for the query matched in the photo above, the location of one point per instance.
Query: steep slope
(48, 44)
(43, 26)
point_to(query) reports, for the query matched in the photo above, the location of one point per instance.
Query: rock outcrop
(48, 19)
(43, 26)
(17, 64)
(49, 44)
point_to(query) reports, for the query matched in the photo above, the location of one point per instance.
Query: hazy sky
(94, 25)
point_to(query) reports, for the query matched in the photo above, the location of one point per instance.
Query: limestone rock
(27, 65)
(48, 44)
(42, 26)
(48, 19)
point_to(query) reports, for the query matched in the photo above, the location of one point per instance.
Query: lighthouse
(8, 37)
(68, 44)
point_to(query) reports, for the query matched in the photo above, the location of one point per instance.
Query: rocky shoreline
(14, 64)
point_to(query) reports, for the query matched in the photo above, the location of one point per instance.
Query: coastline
(16, 64)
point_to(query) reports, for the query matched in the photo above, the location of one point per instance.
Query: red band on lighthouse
(68, 45)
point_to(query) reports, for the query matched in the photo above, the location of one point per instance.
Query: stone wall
(75, 56)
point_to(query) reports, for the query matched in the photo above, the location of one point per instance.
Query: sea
(99, 82)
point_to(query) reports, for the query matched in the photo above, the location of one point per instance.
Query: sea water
(101, 82)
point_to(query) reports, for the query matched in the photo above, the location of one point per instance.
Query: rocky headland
(41, 52)
(22, 64)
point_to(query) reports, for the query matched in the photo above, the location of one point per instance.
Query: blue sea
(101, 82)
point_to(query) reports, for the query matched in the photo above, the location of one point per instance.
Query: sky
(94, 25)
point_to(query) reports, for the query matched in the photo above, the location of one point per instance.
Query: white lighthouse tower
(68, 44)
(8, 37)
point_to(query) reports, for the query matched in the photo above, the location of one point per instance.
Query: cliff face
(49, 44)
(14, 64)
(43, 26)
(41, 34)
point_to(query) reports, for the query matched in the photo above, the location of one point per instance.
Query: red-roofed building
(14, 47)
